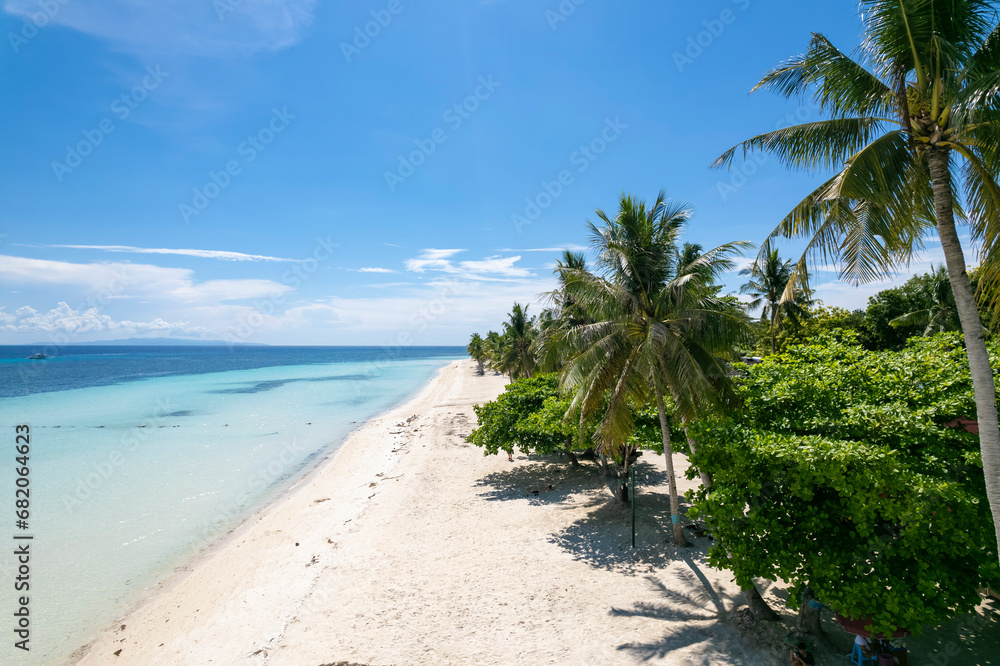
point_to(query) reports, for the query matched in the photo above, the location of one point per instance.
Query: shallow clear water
(138, 460)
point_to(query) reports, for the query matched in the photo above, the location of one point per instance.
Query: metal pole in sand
(631, 472)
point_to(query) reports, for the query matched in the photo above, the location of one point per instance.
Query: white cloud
(742, 263)
(219, 291)
(571, 247)
(224, 255)
(487, 269)
(845, 295)
(375, 270)
(188, 27)
(65, 320)
(121, 280)
(450, 301)
(432, 259)
(442, 312)
(496, 265)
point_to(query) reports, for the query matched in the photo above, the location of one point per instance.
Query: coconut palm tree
(494, 343)
(912, 121)
(517, 358)
(550, 347)
(768, 280)
(477, 350)
(940, 314)
(571, 312)
(657, 328)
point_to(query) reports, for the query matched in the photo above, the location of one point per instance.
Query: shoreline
(459, 558)
(187, 566)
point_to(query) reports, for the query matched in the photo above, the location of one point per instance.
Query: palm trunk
(760, 608)
(706, 479)
(968, 314)
(675, 508)
(569, 452)
(774, 325)
(808, 620)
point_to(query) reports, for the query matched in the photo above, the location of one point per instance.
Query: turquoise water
(131, 478)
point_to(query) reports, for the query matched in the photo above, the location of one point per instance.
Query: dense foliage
(850, 471)
(527, 416)
(924, 304)
(910, 127)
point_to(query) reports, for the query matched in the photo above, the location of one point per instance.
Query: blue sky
(377, 172)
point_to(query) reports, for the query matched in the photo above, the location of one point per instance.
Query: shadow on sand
(699, 616)
(693, 612)
(546, 480)
(603, 538)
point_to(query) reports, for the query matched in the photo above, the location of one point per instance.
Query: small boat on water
(37, 357)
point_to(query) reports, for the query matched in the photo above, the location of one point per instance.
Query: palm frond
(841, 86)
(822, 144)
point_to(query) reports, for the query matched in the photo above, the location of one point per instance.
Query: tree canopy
(851, 471)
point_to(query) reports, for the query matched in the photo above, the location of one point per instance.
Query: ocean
(142, 456)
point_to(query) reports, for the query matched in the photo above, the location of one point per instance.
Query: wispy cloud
(488, 268)
(373, 269)
(185, 27)
(496, 265)
(224, 255)
(432, 259)
(571, 247)
(119, 280)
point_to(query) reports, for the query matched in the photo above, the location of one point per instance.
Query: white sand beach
(411, 547)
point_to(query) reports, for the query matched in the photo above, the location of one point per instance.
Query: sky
(377, 172)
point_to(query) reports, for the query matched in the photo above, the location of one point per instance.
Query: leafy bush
(850, 471)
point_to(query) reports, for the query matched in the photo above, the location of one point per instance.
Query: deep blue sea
(142, 456)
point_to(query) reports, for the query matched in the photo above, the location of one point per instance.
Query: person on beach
(801, 656)
(510, 455)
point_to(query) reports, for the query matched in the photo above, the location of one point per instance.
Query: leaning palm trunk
(675, 509)
(758, 606)
(975, 347)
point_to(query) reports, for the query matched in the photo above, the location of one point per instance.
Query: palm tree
(911, 122)
(657, 330)
(570, 310)
(768, 280)
(550, 348)
(477, 350)
(517, 358)
(494, 343)
(940, 314)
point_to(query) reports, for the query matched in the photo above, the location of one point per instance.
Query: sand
(411, 547)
